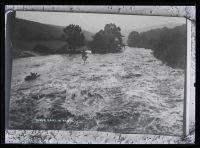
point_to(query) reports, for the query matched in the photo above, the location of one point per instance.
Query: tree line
(108, 40)
(168, 45)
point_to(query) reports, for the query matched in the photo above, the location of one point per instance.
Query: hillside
(29, 36)
(144, 29)
(168, 45)
(37, 31)
(29, 30)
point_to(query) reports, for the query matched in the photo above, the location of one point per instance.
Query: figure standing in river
(84, 55)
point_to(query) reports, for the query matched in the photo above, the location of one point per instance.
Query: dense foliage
(73, 36)
(108, 40)
(168, 45)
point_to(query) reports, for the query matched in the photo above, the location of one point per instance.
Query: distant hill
(144, 29)
(30, 30)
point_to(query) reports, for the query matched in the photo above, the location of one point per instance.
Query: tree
(133, 39)
(108, 40)
(74, 37)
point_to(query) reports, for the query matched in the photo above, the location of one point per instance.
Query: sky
(94, 22)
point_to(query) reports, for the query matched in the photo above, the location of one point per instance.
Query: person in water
(84, 55)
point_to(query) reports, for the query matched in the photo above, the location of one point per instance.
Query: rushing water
(128, 92)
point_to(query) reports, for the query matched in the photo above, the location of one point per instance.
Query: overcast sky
(94, 22)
